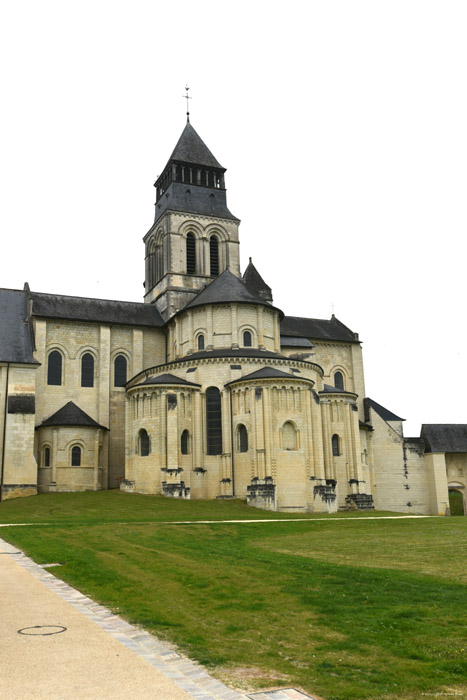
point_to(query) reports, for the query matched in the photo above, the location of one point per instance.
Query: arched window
(190, 254)
(247, 339)
(185, 443)
(242, 438)
(54, 368)
(87, 370)
(144, 443)
(76, 456)
(339, 380)
(213, 421)
(335, 446)
(46, 457)
(120, 367)
(289, 436)
(214, 256)
(201, 342)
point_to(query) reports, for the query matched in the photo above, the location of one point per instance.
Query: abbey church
(206, 389)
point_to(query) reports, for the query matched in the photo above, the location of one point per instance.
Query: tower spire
(187, 97)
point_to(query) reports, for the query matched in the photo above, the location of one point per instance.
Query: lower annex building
(205, 390)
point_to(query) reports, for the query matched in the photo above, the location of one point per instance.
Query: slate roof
(71, 414)
(191, 148)
(444, 437)
(268, 373)
(180, 196)
(128, 313)
(255, 283)
(226, 289)
(386, 415)
(15, 333)
(328, 389)
(228, 352)
(166, 379)
(317, 329)
(291, 342)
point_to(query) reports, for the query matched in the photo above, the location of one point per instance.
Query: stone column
(267, 430)
(233, 311)
(96, 460)
(197, 428)
(54, 456)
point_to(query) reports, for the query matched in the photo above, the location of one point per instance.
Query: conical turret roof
(255, 282)
(191, 148)
(227, 289)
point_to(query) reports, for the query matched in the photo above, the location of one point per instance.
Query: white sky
(343, 128)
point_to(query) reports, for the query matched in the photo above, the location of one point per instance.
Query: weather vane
(187, 97)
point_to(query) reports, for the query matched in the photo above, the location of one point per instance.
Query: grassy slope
(346, 609)
(105, 506)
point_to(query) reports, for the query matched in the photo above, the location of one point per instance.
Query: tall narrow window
(46, 456)
(339, 380)
(144, 444)
(190, 254)
(185, 443)
(201, 342)
(120, 367)
(87, 370)
(242, 438)
(54, 368)
(76, 456)
(247, 339)
(335, 446)
(214, 255)
(213, 421)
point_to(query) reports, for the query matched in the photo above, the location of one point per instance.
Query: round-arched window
(144, 443)
(339, 380)
(54, 368)
(201, 342)
(76, 456)
(242, 438)
(247, 339)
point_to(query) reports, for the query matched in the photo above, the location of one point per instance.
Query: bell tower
(194, 237)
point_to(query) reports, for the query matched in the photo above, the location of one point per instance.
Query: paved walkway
(57, 644)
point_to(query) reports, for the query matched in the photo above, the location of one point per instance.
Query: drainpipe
(232, 442)
(4, 429)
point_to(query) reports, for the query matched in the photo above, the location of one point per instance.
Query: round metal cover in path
(42, 630)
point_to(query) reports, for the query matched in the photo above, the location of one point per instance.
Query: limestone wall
(17, 402)
(222, 327)
(104, 401)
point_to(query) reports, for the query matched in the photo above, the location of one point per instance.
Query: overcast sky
(343, 128)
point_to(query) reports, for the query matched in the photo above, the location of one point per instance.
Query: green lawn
(344, 609)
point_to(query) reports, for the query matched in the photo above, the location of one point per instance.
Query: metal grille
(190, 254)
(214, 256)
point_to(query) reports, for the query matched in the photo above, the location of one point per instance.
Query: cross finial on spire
(187, 97)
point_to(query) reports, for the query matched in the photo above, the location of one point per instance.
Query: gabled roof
(226, 289)
(128, 313)
(317, 329)
(255, 282)
(71, 414)
(15, 333)
(444, 437)
(191, 148)
(166, 379)
(268, 373)
(386, 415)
